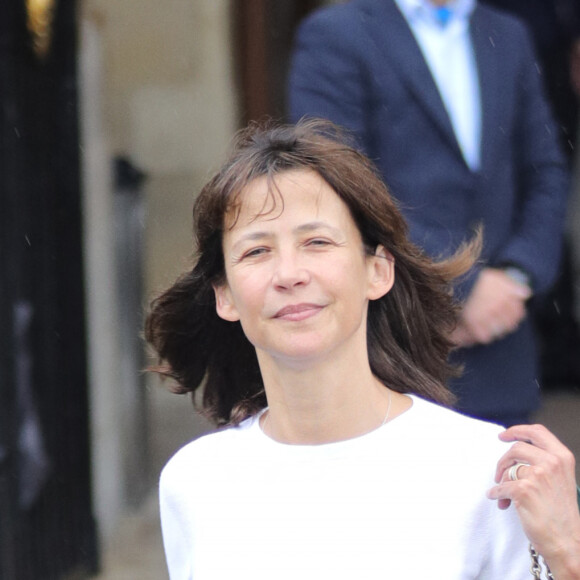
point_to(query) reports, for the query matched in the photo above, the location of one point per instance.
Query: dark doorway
(264, 31)
(46, 527)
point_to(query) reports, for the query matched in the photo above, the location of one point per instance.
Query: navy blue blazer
(358, 64)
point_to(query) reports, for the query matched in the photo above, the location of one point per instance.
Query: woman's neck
(324, 403)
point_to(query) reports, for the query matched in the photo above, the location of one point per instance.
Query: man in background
(555, 29)
(446, 97)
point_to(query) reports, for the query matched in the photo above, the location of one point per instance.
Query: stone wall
(157, 88)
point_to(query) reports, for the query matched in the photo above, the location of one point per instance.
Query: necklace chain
(388, 408)
(386, 418)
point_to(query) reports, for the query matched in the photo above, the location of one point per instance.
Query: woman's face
(298, 278)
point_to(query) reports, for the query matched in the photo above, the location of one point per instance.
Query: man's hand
(495, 308)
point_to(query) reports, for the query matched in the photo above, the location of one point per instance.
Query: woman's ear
(381, 273)
(224, 303)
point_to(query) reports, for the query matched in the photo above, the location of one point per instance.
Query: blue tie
(443, 14)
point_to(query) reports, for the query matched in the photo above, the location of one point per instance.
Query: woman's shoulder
(467, 448)
(443, 423)
(436, 412)
(212, 448)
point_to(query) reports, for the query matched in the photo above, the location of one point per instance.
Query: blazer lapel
(389, 30)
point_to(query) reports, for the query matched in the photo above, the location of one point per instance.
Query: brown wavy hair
(408, 329)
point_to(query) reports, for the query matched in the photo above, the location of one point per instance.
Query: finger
(507, 327)
(499, 493)
(461, 337)
(520, 452)
(503, 493)
(504, 327)
(515, 288)
(511, 316)
(536, 435)
(499, 329)
(523, 469)
(521, 291)
(507, 488)
(483, 331)
(479, 333)
(504, 504)
(505, 318)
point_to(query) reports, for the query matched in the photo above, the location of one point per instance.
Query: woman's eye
(254, 252)
(318, 242)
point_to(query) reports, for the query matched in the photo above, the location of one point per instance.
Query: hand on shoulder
(544, 493)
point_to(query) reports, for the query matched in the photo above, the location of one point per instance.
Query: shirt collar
(414, 10)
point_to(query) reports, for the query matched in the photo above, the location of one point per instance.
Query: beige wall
(169, 100)
(157, 86)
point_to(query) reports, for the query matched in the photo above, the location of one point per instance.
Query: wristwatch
(518, 275)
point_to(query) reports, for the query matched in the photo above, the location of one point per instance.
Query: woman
(321, 336)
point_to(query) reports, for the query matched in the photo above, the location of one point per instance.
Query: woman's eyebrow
(313, 226)
(251, 237)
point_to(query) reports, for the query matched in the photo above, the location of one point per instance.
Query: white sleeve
(509, 558)
(176, 532)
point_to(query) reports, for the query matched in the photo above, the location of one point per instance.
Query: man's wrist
(518, 275)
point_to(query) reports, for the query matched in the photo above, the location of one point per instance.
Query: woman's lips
(296, 312)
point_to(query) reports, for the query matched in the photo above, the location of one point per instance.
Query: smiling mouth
(298, 312)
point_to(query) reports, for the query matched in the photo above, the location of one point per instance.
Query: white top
(404, 501)
(448, 52)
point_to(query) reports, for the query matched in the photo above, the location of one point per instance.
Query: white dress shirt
(448, 51)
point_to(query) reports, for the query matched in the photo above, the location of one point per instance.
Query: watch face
(518, 276)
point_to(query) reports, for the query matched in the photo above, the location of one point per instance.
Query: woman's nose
(290, 272)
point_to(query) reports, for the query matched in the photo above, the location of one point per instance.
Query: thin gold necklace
(388, 408)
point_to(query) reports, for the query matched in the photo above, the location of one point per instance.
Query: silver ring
(513, 471)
